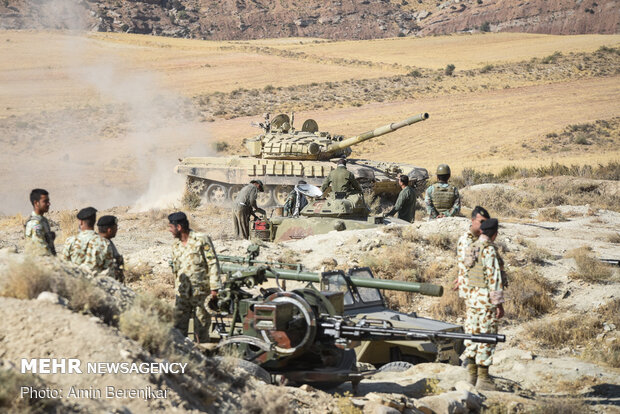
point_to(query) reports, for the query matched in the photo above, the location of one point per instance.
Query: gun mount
(311, 335)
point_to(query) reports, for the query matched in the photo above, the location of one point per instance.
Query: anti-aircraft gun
(309, 335)
(281, 156)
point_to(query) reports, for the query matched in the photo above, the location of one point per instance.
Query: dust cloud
(115, 146)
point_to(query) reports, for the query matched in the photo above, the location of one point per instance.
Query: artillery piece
(312, 336)
(281, 156)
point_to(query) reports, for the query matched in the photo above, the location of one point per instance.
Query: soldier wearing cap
(484, 302)
(245, 206)
(295, 201)
(478, 216)
(88, 248)
(341, 180)
(196, 276)
(107, 227)
(405, 203)
(37, 229)
(442, 199)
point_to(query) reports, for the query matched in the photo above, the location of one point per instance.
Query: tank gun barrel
(233, 264)
(386, 129)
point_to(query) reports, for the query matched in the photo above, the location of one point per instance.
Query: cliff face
(343, 19)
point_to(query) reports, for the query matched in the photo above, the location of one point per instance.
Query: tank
(282, 155)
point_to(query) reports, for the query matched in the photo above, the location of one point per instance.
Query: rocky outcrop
(343, 19)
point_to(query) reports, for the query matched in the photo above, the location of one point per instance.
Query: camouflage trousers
(190, 303)
(480, 320)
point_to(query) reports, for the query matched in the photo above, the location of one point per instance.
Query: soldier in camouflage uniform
(39, 236)
(107, 227)
(245, 206)
(442, 199)
(196, 276)
(478, 215)
(88, 248)
(405, 203)
(484, 302)
(295, 201)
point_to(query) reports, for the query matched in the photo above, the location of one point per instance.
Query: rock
(608, 327)
(307, 388)
(358, 402)
(473, 401)
(374, 407)
(446, 403)
(52, 298)
(464, 386)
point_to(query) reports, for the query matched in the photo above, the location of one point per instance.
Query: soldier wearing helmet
(245, 206)
(442, 199)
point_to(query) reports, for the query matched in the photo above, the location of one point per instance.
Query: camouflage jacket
(430, 206)
(405, 205)
(89, 249)
(462, 247)
(197, 261)
(341, 180)
(38, 233)
(485, 254)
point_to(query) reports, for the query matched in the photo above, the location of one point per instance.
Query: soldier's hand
(213, 293)
(499, 311)
(440, 216)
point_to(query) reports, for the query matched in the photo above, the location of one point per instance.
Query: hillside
(346, 19)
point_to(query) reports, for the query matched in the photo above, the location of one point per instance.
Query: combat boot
(472, 369)
(485, 382)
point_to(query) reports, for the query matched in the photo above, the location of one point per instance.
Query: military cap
(86, 213)
(177, 218)
(490, 225)
(260, 185)
(107, 221)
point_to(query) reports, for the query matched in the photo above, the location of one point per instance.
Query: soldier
(405, 203)
(484, 302)
(245, 205)
(295, 201)
(442, 199)
(342, 180)
(108, 227)
(88, 248)
(196, 274)
(478, 215)
(37, 228)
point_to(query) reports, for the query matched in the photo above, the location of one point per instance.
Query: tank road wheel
(217, 194)
(281, 192)
(264, 198)
(233, 191)
(194, 188)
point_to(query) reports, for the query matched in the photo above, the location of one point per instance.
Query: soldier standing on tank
(37, 229)
(88, 248)
(245, 206)
(478, 216)
(484, 302)
(295, 201)
(107, 227)
(405, 203)
(341, 180)
(196, 276)
(442, 199)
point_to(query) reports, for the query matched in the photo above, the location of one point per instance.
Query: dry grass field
(111, 110)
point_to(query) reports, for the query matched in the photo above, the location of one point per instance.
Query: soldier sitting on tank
(442, 199)
(295, 201)
(341, 181)
(245, 206)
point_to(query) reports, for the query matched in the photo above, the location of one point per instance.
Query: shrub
(25, 280)
(10, 397)
(414, 73)
(444, 241)
(220, 146)
(528, 294)
(589, 268)
(449, 305)
(551, 214)
(148, 322)
(485, 27)
(449, 70)
(486, 68)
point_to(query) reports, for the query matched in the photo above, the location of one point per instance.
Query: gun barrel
(304, 276)
(386, 129)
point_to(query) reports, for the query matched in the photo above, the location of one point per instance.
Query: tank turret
(281, 141)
